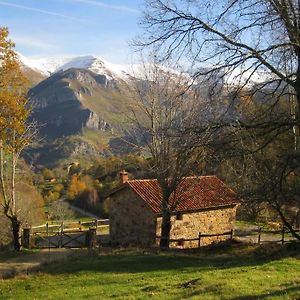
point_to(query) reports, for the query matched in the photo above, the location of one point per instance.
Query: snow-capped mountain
(51, 65)
(48, 66)
(246, 78)
(45, 66)
(98, 66)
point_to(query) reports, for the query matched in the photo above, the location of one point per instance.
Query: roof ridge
(145, 179)
(153, 179)
(199, 176)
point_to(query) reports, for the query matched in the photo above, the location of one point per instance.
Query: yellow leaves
(76, 187)
(14, 109)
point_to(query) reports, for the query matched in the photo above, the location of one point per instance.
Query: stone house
(205, 205)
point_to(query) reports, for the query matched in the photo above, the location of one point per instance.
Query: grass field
(231, 272)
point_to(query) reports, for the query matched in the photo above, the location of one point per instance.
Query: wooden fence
(63, 235)
(260, 236)
(200, 237)
(281, 234)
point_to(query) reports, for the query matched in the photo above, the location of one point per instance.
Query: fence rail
(283, 231)
(64, 234)
(257, 236)
(71, 225)
(199, 238)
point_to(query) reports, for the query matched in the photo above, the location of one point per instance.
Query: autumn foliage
(14, 133)
(76, 187)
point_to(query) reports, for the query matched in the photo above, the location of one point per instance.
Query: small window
(180, 242)
(179, 215)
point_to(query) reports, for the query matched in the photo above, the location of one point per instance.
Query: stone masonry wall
(207, 222)
(131, 221)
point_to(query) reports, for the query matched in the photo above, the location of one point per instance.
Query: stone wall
(131, 220)
(207, 222)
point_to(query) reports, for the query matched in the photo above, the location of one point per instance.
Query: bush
(29, 207)
(60, 211)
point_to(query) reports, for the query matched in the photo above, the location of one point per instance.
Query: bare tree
(59, 210)
(264, 175)
(236, 41)
(162, 110)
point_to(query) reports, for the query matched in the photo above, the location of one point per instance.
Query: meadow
(233, 271)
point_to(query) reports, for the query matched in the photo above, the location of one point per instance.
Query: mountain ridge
(51, 65)
(82, 104)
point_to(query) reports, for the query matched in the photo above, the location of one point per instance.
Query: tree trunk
(2, 181)
(296, 107)
(13, 176)
(166, 218)
(286, 223)
(165, 230)
(16, 225)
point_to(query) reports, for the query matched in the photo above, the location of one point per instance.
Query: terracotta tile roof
(193, 193)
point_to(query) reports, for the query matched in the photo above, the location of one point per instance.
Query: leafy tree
(76, 187)
(48, 174)
(51, 196)
(15, 133)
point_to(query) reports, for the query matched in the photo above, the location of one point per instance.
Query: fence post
(61, 234)
(47, 231)
(90, 238)
(231, 233)
(199, 239)
(282, 235)
(27, 238)
(259, 235)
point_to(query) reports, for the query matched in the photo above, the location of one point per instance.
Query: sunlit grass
(238, 272)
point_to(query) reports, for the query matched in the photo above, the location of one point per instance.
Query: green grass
(246, 224)
(234, 272)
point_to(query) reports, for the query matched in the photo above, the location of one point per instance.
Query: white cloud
(46, 12)
(108, 6)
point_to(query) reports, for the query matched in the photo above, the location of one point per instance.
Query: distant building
(205, 205)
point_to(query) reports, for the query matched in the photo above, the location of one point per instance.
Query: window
(180, 242)
(179, 215)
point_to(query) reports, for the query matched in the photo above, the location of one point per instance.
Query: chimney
(123, 176)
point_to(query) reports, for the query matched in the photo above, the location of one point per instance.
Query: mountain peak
(92, 63)
(96, 64)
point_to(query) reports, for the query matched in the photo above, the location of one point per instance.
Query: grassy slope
(236, 273)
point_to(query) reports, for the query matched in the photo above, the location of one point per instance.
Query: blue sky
(43, 28)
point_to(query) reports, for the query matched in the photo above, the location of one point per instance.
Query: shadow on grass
(137, 260)
(10, 254)
(283, 292)
(214, 289)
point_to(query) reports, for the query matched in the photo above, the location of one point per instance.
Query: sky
(54, 28)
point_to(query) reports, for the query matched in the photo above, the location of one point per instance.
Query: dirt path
(250, 235)
(25, 263)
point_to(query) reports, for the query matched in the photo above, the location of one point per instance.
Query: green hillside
(237, 272)
(80, 115)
